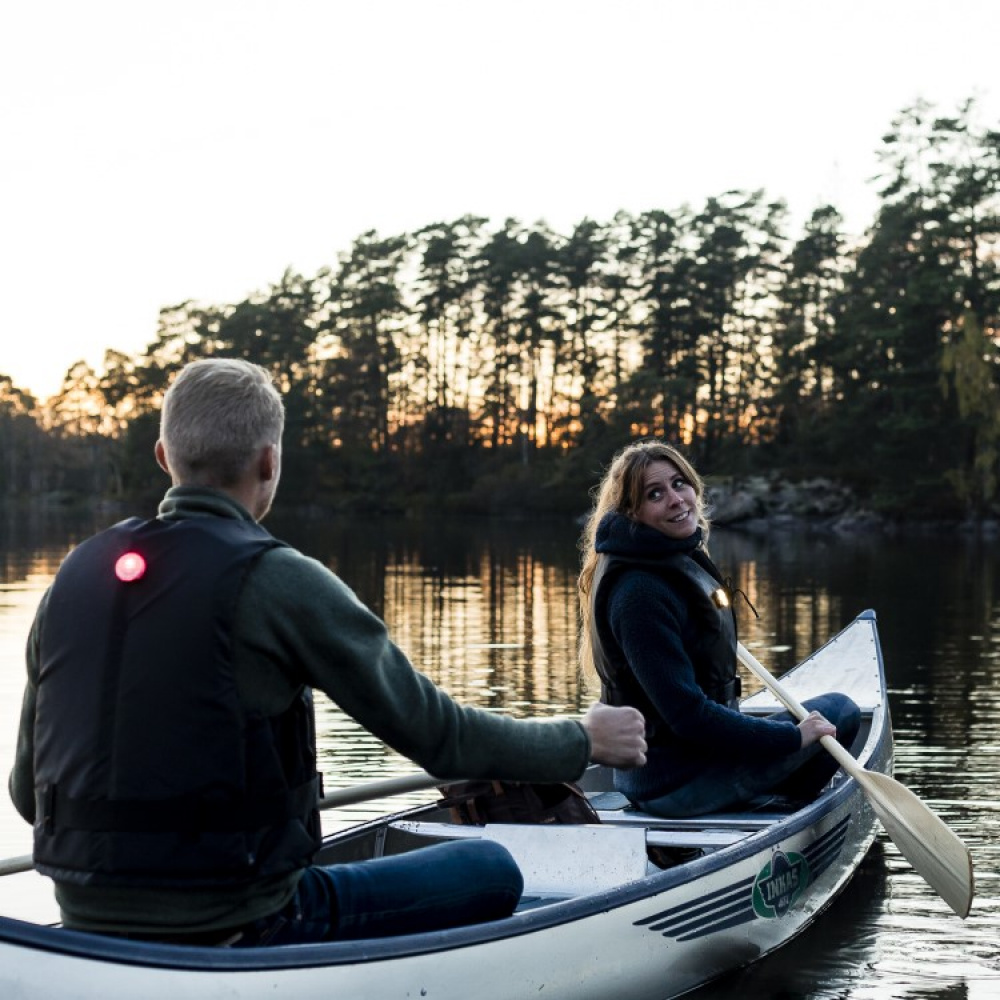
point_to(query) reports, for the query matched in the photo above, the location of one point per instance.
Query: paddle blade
(934, 851)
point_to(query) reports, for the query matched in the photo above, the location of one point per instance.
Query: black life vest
(148, 771)
(713, 653)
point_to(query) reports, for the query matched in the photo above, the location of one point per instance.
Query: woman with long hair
(659, 629)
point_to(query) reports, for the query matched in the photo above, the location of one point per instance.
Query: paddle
(922, 837)
(418, 782)
(421, 781)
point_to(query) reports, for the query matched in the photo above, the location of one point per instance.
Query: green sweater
(298, 624)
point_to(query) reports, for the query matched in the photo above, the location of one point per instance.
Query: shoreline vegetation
(475, 367)
(755, 504)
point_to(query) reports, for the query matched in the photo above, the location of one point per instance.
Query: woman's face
(669, 503)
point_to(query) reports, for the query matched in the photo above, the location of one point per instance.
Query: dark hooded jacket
(669, 651)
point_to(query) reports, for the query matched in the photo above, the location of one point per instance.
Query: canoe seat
(555, 860)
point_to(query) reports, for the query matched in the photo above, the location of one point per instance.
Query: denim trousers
(798, 776)
(447, 885)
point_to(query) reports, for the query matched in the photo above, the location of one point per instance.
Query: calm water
(487, 609)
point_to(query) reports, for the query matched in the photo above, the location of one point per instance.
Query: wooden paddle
(922, 837)
(369, 791)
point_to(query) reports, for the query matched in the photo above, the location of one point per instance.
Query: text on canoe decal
(779, 884)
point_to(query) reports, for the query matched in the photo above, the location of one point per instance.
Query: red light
(130, 567)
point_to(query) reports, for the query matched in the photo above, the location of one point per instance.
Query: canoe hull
(652, 939)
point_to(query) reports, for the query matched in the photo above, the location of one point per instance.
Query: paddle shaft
(842, 756)
(419, 782)
(11, 866)
(369, 791)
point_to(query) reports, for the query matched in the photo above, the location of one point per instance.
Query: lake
(487, 608)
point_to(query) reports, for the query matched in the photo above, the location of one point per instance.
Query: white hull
(651, 939)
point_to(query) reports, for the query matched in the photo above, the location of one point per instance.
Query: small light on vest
(130, 567)
(720, 598)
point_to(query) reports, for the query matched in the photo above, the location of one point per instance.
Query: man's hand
(617, 735)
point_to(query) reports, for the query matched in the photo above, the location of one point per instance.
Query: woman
(659, 629)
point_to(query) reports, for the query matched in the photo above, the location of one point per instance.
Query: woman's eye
(655, 494)
(679, 483)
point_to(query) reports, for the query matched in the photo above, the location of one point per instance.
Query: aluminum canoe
(599, 917)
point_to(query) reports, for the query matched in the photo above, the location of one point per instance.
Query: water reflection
(488, 609)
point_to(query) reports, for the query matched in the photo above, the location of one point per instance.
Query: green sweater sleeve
(300, 624)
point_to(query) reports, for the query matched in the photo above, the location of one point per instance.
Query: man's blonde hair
(217, 414)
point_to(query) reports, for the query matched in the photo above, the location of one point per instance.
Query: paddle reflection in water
(488, 609)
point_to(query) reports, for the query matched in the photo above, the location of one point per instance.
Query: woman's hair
(216, 415)
(621, 491)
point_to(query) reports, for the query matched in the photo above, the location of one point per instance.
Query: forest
(495, 367)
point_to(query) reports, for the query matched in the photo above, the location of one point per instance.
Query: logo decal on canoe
(769, 894)
(779, 884)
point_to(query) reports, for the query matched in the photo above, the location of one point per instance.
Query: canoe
(599, 918)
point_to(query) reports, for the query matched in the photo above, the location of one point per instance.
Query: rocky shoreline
(760, 504)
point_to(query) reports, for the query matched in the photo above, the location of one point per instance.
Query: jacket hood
(621, 536)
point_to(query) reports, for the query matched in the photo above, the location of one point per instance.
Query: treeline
(483, 366)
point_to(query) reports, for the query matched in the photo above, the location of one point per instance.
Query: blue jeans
(799, 775)
(447, 885)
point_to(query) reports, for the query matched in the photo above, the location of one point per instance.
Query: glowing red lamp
(130, 567)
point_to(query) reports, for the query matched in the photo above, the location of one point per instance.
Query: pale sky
(154, 152)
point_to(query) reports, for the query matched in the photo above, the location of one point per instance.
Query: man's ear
(270, 462)
(161, 457)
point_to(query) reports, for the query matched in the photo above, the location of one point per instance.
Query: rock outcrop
(758, 503)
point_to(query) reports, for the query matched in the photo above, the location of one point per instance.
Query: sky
(156, 152)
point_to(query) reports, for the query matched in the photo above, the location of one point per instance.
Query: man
(166, 753)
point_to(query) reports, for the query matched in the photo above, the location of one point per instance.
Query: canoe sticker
(779, 884)
(772, 893)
